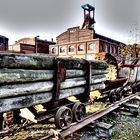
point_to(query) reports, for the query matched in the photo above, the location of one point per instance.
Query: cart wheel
(113, 96)
(79, 111)
(119, 93)
(63, 117)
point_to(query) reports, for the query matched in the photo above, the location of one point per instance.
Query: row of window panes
(108, 49)
(80, 48)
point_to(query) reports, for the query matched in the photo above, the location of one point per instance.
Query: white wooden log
(98, 79)
(75, 73)
(97, 86)
(22, 76)
(99, 71)
(25, 89)
(74, 82)
(37, 87)
(26, 61)
(98, 64)
(13, 103)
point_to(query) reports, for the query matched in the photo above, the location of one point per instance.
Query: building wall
(74, 34)
(28, 40)
(29, 45)
(84, 44)
(79, 49)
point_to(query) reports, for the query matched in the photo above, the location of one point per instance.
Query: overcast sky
(118, 19)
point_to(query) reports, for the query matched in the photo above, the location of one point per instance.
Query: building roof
(96, 35)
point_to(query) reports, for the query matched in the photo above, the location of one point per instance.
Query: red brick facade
(82, 43)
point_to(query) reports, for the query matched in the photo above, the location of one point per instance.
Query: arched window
(81, 47)
(92, 47)
(71, 48)
(53, 50)
(62, 49)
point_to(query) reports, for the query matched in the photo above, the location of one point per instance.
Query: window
(62, 49)
(92, 47)
(53, 50)
(111, 49)
(81, 47)
(107, 48)
(101, 48)
(71, 48)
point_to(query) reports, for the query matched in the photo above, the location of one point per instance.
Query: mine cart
(34, 82)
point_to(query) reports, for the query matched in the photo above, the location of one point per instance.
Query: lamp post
(36, 45)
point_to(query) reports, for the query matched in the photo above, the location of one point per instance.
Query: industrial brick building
(3, 43)
(31, 45)
(84, 42)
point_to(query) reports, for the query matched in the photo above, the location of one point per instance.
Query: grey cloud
(29, 16)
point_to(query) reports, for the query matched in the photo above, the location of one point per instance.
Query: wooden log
(37, 62)
(25, 61)
(97, 86)
(38, 87)
(13, 103)
(75, 73)
(21, 75)
(98, 65)
(98, 79)
(99, 71)
(71, 92)
(73, 63)
(68, 83)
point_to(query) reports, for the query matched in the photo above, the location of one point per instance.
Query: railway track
(74, 126)
(91, 118)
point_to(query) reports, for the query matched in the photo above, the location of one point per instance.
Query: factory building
(84, 42)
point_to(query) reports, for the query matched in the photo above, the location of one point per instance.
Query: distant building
(84, 42)
(31, 45)
(3, 43)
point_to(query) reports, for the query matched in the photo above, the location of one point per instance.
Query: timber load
(27, 80)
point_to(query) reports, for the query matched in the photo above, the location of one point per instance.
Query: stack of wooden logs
(29, 80)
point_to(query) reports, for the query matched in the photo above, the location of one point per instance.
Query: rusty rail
(93, 117)
(96, 116)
